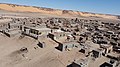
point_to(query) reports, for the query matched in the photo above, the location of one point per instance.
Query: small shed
(41, 44)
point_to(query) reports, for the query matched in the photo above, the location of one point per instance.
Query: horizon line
(59, 9)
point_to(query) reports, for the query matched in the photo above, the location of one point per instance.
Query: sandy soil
(40, 57)
(22, 8)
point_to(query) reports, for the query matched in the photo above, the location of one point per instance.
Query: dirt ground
(39, 57)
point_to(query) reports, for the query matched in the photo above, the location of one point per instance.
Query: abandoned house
(86, 49)
(35, 31)
(57, 35)
(116, 49)
(107, 48)
(11, 29)
(109, 63)
(97, 53)
(100, 41)
(66, 46)
(4, 25)
(82, 39)
(80, 63)
(70, 38)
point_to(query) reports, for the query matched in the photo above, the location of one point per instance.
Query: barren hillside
(70, 13)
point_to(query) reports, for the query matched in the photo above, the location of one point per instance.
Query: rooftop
(37, 28)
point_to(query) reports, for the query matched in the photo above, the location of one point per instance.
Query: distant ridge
(70, 13)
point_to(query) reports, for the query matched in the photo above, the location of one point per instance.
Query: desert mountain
(70, 13)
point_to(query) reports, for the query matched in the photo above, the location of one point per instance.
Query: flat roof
(5, 20)
(38, 28)
(82, 61)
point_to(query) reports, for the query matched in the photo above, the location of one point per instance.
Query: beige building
(107, 48)
(35, 31)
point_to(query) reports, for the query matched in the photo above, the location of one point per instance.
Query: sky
(95, 6)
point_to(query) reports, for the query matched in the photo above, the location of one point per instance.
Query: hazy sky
(97, 6)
